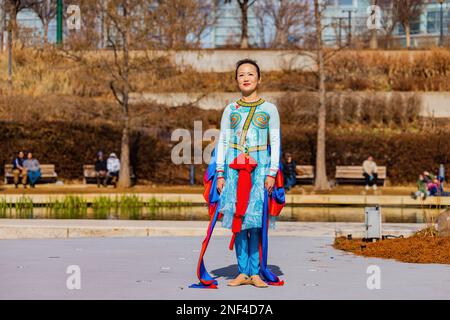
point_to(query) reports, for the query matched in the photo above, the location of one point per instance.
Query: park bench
(304, 174)
(354, 175)
(48, 174)
(89, 175)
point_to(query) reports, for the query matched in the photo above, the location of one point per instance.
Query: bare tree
(46, 11)
(321, 181)
(315, 50)
(182, 23)
(290, 19)
(12, 8)
(388, 20)
(126, 17)
(90, 36)
(373, 32)
(406, 11)
(244, 5)
(129, 24)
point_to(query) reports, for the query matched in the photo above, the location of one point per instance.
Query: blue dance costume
(245, 128)
(247, 152)
(232, 141)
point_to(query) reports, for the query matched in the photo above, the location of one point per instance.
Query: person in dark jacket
(289, 173)
(101, 171)
(19, 171)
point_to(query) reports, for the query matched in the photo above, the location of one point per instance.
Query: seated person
(33, 169)
(101, 170)
(19, 170)
(422, 190)
(370, 173)
(289, 174)
(433, 187)
(113, 167)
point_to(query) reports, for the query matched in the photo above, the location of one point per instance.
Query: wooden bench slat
(47, 172)
(304, 172)
(89, 174)
(354, 174)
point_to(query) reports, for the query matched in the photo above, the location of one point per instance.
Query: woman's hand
(220, 184)
(269, 184)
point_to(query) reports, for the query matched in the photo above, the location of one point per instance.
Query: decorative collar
(250, 104)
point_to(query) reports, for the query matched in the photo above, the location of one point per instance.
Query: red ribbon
(245, 165)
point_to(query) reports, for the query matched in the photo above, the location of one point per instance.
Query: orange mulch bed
(423, 247)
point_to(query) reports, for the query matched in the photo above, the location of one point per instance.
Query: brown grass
(41, 72)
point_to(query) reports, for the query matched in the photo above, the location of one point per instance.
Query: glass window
(433, 20)
(345, 2)
(414, 27)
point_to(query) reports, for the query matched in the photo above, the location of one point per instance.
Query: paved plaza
(164, 267)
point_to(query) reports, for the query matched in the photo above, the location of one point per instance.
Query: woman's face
(247, 78)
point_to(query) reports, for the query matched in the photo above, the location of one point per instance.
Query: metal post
(59, 22)
(340, 32)
(349, 26)
(192, 174)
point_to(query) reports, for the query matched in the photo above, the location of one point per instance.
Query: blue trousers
(290, 181)
(247, 251)
(33, 176)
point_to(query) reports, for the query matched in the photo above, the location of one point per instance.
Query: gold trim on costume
(247, 150)
(250, 104)
(247, 125)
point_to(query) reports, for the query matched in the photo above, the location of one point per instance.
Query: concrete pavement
(164, 267)
(62, 228)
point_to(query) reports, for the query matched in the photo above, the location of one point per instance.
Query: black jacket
(100, 165)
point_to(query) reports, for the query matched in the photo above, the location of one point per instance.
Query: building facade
(341, 16)
(345, 21)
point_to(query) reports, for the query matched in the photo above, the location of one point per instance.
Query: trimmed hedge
(70, 145)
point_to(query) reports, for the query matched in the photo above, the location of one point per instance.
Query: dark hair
(245, 61)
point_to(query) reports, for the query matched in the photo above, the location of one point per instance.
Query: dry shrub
(45, 71)
(353, 109)
(70, 144)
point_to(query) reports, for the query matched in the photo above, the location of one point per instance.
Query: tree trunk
(244, 24)
(373, 34)
(321, 181)
(373, 39)
(10, 49)
(408, 35)
(14, 26)
(2, 26)
(281, 39)
(124, 175)
(45, 33)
